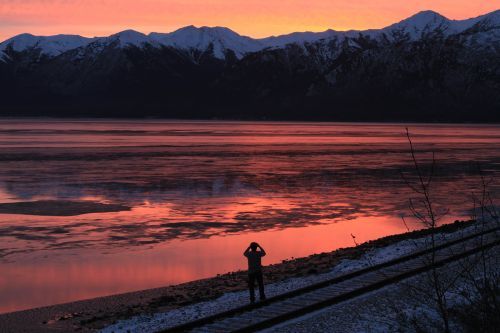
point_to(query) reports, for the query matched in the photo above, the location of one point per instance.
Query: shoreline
(94, 314)
(237, 120)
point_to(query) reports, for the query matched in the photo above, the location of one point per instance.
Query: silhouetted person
(255, 270)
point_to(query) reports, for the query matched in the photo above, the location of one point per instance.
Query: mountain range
(424, 68)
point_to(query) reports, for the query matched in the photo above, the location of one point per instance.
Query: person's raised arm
(262, 250)
(246, 252)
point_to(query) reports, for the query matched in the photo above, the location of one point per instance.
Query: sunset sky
(256, 18)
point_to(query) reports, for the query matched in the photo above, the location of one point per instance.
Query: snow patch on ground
(401, 307)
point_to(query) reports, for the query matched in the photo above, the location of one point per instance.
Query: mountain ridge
(424, 68)
(224, 39)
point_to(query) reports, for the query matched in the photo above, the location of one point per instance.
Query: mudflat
(59, 208)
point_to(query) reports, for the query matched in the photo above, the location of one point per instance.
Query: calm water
(201, 191)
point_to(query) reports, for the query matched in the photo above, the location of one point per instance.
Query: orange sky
(256, 18)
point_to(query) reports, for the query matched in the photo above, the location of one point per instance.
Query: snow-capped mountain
(424, 68)
(50, 45)
(490, 20)
(123, 39)
(429, 21)
(300, 37)
(127, 38)
(421, 23)
(219, 40)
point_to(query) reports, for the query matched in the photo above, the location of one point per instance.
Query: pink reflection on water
(14, 133)
(201, 191)
(90, 274)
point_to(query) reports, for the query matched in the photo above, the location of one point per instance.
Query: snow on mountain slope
(490, 21)
(427, 21)
(416, 25)
(485, 32)
(128, 37)
(299, 37)
(122, 39)
(420, 23)
(458, 26)
(222, 39)
(50, 45)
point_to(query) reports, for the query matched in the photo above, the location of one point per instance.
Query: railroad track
(283, 307)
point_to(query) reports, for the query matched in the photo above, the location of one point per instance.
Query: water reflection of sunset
(201, 191)
(60, 278)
